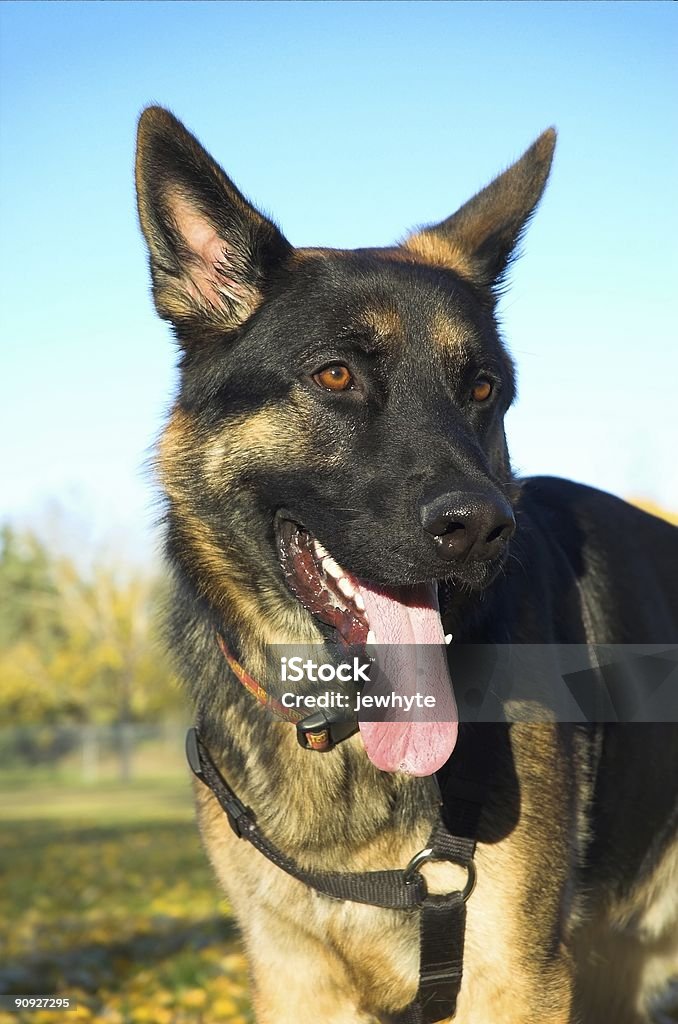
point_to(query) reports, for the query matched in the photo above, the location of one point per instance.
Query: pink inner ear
(207, 276)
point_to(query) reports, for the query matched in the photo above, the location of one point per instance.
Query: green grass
(108, 897)
(104, 803)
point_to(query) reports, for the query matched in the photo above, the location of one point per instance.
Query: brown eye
(334, 378)
(482, 389)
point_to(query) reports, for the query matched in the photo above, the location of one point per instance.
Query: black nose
(468, 526)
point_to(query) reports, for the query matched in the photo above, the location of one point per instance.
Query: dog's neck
(263, 762)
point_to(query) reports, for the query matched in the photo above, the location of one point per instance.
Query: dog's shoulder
(584, 519)
(625, 559)
(588, 506)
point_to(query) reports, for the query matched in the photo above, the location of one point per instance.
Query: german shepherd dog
(335, 463)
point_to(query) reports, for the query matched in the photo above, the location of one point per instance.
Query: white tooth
(320, 551)
(448, 638)
(345, 587)
(331, 567)
(358, 601)
(371, 638)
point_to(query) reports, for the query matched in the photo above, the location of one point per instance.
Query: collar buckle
(322, 732)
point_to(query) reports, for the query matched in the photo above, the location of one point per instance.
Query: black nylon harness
(463, 785)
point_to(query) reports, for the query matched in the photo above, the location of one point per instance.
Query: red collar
(316, 740)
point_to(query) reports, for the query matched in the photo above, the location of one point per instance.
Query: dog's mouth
(326, 590)
(392, 621)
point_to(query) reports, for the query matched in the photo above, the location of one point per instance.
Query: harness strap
(441, 954)
(442, 917)
(391, 889)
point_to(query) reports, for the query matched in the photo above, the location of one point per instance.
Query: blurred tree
(31, 629)
(78, 646)
(27, 591)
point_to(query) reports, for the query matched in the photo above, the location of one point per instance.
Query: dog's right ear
(211, 252)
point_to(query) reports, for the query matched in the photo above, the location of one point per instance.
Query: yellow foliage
(81, 906)
(194, 997)
(78, 645)
(224, 1007)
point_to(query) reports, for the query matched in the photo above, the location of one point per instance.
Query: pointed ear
(211, 253)
(479, 240)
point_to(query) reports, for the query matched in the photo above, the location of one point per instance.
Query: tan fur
(438, 252)
(457, 243)
(266, 615)
(384, 320)
(627, 965)
(620, 974)
(272, 436)
(449, 333)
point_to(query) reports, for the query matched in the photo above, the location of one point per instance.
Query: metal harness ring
(427, 854)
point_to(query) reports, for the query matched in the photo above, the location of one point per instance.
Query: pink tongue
(401, 618)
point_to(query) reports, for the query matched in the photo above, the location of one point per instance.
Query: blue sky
(350, 123)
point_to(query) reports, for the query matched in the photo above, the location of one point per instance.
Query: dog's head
(337, 445)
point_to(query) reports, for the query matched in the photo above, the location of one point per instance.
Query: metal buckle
(239, 817)
(426, 855)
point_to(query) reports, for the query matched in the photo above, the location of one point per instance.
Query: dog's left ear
(479, 240)
(212, 253)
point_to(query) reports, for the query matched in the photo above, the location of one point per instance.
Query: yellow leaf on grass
(152, 1015)
(224, 1007)
(234, 962)
(144, 1014)
(193, 997)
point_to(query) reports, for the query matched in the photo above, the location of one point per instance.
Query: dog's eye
(482, 389)
(334, 378)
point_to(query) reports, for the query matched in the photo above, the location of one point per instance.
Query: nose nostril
(449, 528)
(443, 527)
(496, 533)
